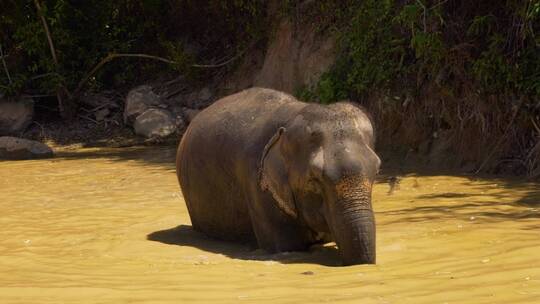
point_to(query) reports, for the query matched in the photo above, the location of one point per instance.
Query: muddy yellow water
(110, 226)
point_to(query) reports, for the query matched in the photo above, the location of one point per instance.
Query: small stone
(155, 123)
(205, 94)
(15, 116)
(138, 101)
(180, 123)
(190, 114)
(14, 148)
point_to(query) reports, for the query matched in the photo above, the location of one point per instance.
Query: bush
(384, 43)
(84, 32)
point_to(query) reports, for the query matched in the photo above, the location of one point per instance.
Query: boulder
(190, 114)
(190, 100)
(205, 94)
(14, 148)
(155, 123)
(181, 124)
(138, 101)
(15, 116)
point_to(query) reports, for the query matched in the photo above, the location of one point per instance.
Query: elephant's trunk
(355, 236)
(353, 224)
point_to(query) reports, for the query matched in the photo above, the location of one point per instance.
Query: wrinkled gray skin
(261, 166)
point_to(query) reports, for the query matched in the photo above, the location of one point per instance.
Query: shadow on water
(510, 192)
(162, 156)
(464, 211)
(512, 200)
(530, 200)
(184, 235)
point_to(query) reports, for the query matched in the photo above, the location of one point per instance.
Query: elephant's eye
(315, 137)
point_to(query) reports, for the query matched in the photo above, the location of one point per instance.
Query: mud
(110, 226)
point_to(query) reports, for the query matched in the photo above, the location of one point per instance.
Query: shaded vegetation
(493, 44)
(458, 76)
(85, 32)
(463, 72)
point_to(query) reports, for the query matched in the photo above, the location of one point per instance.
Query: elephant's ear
(273, 175)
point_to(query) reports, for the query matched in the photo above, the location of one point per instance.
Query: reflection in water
(109, 226)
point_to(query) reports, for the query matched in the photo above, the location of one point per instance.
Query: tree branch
(502, 138)
(223, 63)
(424, 15)
(112, 56)
(47, 31)
(5, 65)
(61, 91)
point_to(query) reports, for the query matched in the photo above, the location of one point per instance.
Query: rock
(191, 100)
(181, 124)
(15, 116)
(190, 114)
(155, 123)
(15, 148)
(138, 101)
(205, 94)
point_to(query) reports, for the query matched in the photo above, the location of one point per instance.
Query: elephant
(261, 166)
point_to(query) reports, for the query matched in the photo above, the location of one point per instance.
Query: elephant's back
(236, 126)
(247, 111)
(216, 152)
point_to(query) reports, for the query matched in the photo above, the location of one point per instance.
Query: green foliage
(384, 43)
(491, 69)
(370, 52)
(329, 89)
(84, 32)
(510, 62)
(371, 46)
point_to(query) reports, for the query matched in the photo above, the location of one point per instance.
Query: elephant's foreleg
(276, 231)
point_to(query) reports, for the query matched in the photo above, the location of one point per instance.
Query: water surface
(110, 226)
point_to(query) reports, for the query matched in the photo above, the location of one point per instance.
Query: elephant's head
(320, 169)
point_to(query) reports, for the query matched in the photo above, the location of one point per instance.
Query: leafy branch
(112, 56)
(62, 90)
